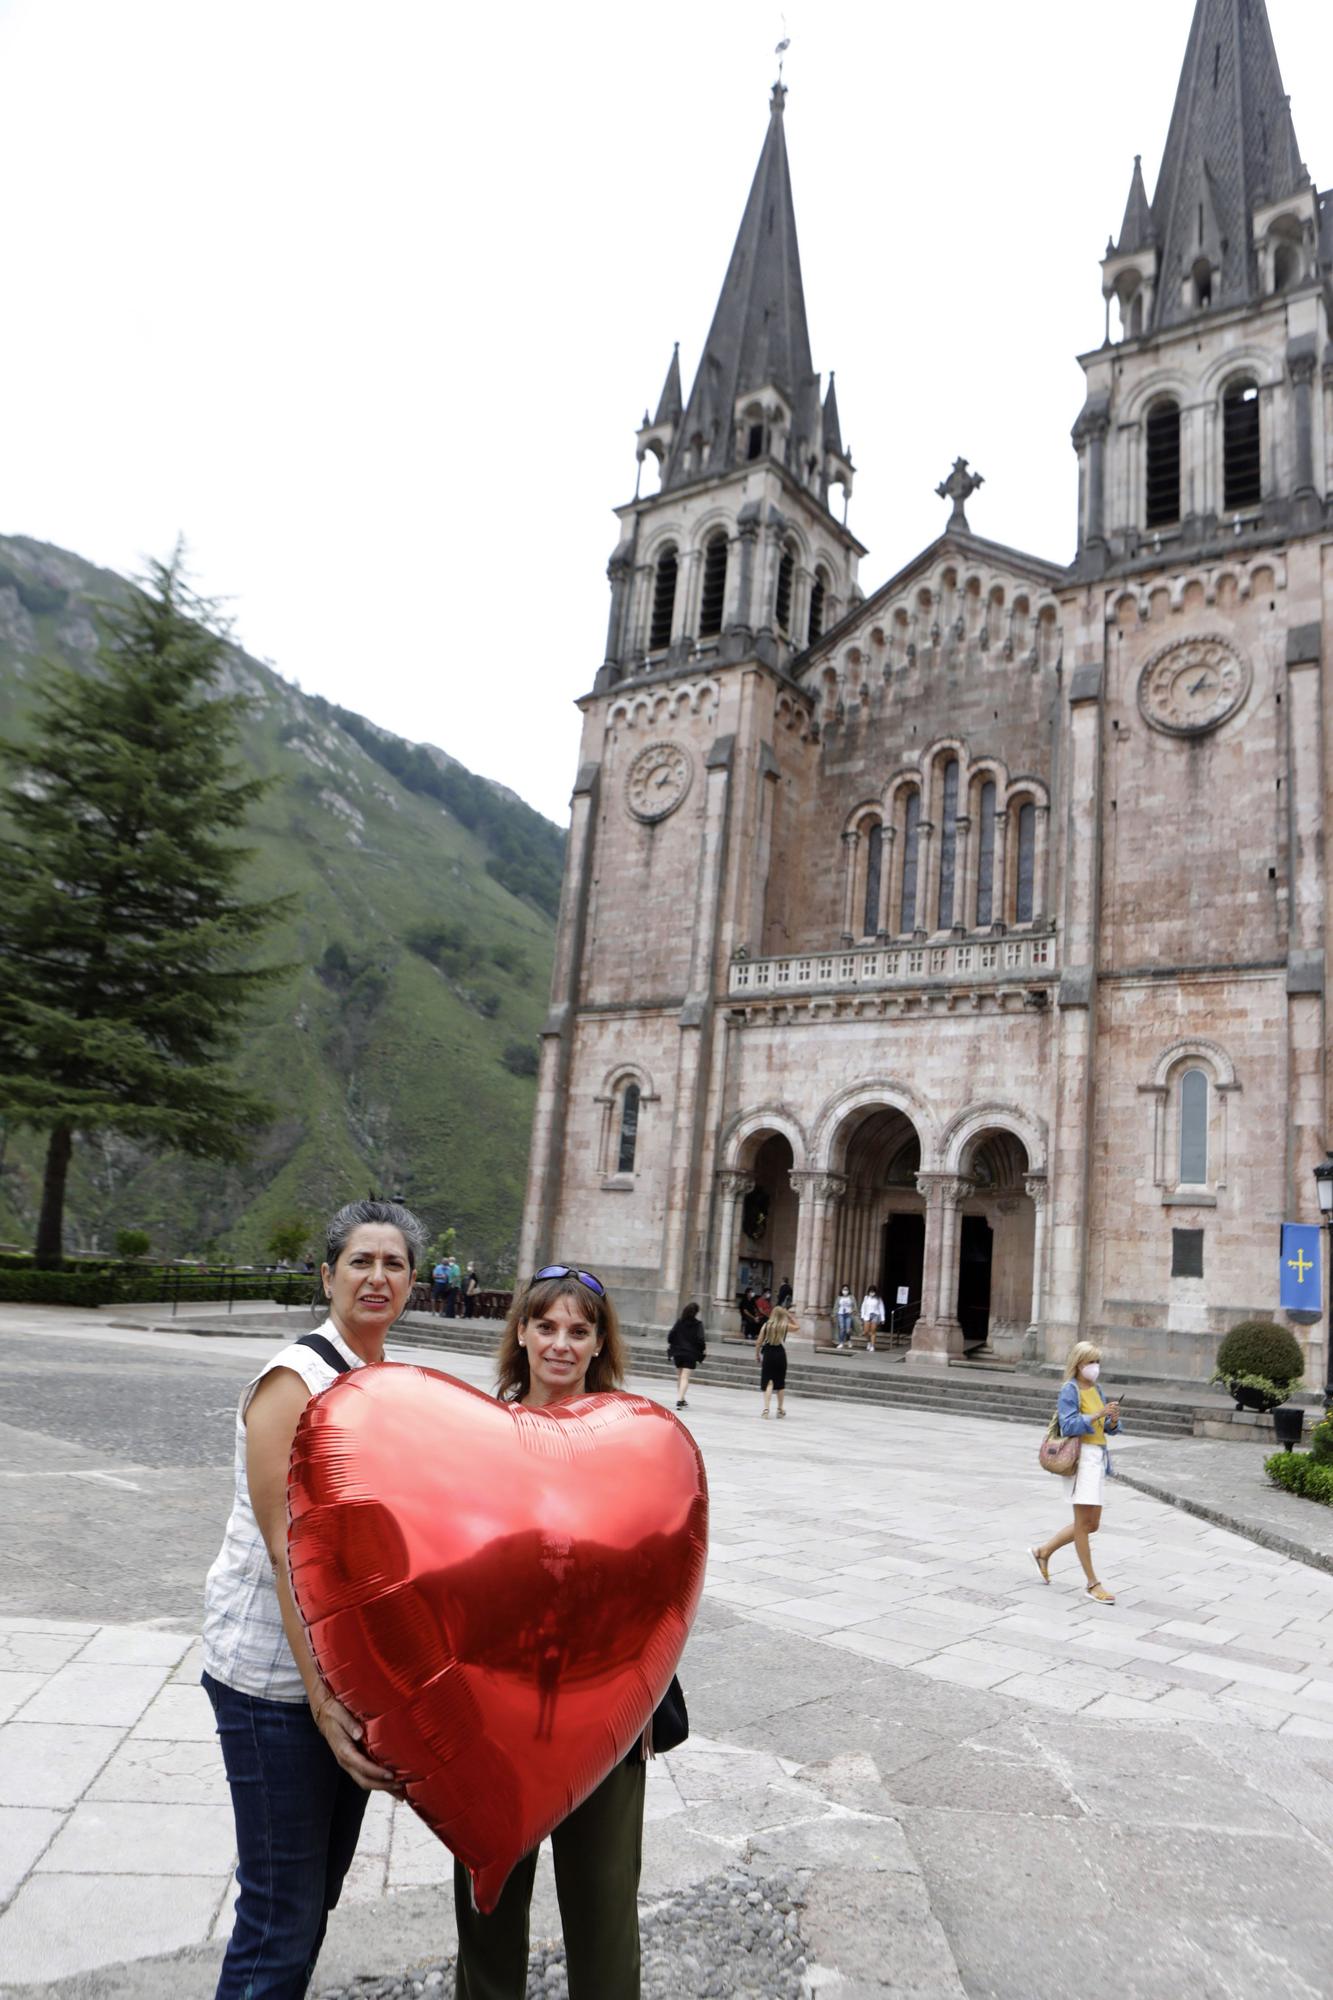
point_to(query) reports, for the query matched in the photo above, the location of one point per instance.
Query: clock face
(1192, 685)
(658, 780)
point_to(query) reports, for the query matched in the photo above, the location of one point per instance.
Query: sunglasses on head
(568, 1271)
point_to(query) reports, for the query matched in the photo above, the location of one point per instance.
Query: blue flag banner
(1300, 1286)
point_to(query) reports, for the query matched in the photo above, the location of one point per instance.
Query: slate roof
(759, 332)
(1231, 144)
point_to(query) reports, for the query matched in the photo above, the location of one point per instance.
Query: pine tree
(123, 941)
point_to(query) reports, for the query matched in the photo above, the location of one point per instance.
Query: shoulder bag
(1058, 1454)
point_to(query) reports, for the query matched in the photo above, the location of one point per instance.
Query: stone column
(732, 1189)
(1040, 845)
(829, 1191)
(1035, 1188)
(999, 891)
(850, 843)
(887, 862)
(1302, 355)
(964, 891)
(937, 1334)
(620, 571)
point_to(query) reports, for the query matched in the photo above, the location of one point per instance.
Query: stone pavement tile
(135, 1646)
(191, 1664)
(1120, 1708)
(1110, 1639)
(1015, 1659)
(962, 1672)
(1305, 1725)
(1149, 1882)
(226, 1916)
(63, 1924)
(25, 1831)
(1228, 1667)
(1275, 1662)
(179, 1713)
(754, 1591)
(366, 1880)
(1048, 1690)
(415, 1855)
(93, 1693)
(1208, 1632)
(874, 1646)
(1120, 1775)
(15, 1689)
(869, 1843)
(877, 1929)
(117, 1838)
(995, 1772)
(66, 1627)
(706, 1777)
(39, 1652)
(148, 1769)
(51, 1764)
(1188, 1704)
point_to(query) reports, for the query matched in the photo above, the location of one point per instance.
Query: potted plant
(1259, 1361)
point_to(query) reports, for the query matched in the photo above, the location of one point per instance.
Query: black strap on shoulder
(326, 1351)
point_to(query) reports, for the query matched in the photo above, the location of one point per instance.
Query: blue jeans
(844, 1328)
(298, 1819)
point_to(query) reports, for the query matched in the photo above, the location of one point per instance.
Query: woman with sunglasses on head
(562, 1339)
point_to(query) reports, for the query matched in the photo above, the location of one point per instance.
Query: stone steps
(950, 1393)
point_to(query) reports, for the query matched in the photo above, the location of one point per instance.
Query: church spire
(759, 337)
(1231, 145)
(1136, 231)
(669, 402)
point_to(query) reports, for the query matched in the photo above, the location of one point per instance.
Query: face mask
(1091, 1372)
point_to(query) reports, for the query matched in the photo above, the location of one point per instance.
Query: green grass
(384, 1070)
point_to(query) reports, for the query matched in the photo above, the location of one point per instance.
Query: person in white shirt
(299, 1779)
(872, 1317)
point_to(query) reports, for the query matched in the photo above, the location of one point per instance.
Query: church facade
(966, 937)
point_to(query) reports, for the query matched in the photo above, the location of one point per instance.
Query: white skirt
(1091, 1475)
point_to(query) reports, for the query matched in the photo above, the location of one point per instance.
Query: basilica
(965, 935)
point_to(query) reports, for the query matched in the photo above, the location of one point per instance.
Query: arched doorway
(996, 1243)
(757, 1218)
(879, 1229)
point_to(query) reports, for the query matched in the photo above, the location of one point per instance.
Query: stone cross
(958, 487)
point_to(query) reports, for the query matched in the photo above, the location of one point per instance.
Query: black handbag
(671, 1719)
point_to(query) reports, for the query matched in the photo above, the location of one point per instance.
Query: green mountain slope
(422, 932)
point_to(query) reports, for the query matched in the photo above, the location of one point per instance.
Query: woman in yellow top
(1084, 1413)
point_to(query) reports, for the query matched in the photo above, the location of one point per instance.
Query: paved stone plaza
(952, 1765)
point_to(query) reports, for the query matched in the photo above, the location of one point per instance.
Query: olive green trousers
(598, 1852)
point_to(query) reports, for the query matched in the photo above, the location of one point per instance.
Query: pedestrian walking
(471, 1293)
(439, 1279)
(772, 1351)
(844, 1314)
(299, 1779)
(562, 1339)
(1084, 1413)
(785, 1292)
(686, 1348)
(452, 1275)
(749, 1312)
(872, 1317)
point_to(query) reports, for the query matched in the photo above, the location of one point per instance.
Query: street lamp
(1323, 1181)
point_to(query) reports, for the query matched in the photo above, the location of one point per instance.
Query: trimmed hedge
(1259, 1347)
(1321, 1442)
(78, 1288)
(57, 1288)
(1302, 1474)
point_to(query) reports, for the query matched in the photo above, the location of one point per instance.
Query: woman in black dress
(772, 1351)
(686, 1348)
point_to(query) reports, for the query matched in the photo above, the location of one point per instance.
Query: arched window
(1286, 265)
(664, 599)
(782, 602)
(1163, 480)
(629, 1129)
(1193, 1102)
(986, 855)
(754, 440)
(1241, 485)
(948, 841)
(1026, 862)
(818, 592)
(874, 869)
(911, 847)
(1201, 281)
(714, 595)
(1136, 315)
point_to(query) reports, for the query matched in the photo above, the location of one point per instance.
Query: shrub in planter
(1299, 1472)
(1321, 1442)
(1261, 1357)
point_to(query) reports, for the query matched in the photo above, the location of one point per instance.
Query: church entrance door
(904, 1257)
(975, 1253)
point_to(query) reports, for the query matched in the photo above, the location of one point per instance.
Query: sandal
(1043, 1564)
(1102, 1595)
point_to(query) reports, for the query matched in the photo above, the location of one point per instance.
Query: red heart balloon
(499, 1595)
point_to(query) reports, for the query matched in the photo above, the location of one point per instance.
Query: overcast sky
(368, 301)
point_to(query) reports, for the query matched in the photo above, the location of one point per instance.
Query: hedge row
(1299, 1473)
(79, 1288)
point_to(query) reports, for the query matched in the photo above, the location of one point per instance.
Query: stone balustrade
(987, 961)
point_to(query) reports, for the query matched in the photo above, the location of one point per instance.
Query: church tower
(1194, 1086)
(722, 576)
